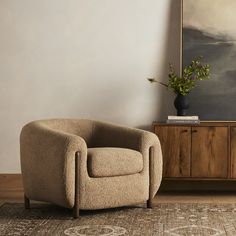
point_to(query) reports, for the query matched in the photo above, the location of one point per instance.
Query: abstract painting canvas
(209, 30)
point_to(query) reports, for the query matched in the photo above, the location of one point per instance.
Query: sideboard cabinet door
(176, 149)
(233, 152)
(210, 152)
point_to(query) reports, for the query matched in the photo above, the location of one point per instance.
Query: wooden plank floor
(170, 197)
(11, 190)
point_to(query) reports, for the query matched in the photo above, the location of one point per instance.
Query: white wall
(83, 58)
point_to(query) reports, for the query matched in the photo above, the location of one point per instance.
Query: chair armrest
(151, 149)
(48, 163)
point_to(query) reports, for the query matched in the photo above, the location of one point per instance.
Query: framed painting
(208, 30)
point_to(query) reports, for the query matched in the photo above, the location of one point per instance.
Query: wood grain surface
(198, 151)
(11, 186)
(210, 152)
(176, 148)
(233, 152)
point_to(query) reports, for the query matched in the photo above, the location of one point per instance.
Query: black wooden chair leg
(150, 203)
(76, 205)
(75, 212)
(151, 164)
(27, 202)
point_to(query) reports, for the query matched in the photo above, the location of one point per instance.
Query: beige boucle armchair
(85, 164)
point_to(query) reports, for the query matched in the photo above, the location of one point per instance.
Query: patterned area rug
(165, 219)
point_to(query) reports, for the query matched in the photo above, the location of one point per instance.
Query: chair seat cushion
(104, 162)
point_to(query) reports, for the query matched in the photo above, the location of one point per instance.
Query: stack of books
(183, 120)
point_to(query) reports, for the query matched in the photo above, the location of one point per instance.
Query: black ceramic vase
(181, 104)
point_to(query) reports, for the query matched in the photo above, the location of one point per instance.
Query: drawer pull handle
(194, 131)
(185, 131)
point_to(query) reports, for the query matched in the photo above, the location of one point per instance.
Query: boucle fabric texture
(104, 162)
(48, 151)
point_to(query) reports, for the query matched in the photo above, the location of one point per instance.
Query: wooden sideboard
(203, 151)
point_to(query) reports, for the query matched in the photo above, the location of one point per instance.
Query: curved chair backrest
(80, 127)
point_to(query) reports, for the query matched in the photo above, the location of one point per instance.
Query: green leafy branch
(192, 73)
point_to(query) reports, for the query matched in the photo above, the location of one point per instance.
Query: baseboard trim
(197, 186)
(11, 186)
